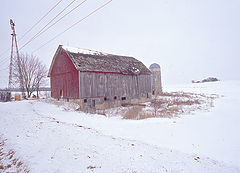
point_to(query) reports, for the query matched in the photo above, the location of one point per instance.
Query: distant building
(5, 96)
(98, 80)
(156, 79)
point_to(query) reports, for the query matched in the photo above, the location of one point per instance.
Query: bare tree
(156, 104)
(40, 76)
(33, 71)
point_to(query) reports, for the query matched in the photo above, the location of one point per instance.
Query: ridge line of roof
(94, 52)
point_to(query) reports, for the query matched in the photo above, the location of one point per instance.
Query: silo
(156, 79)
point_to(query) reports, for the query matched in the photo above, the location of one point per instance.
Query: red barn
(97, 78)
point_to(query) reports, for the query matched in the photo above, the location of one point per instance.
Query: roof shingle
(87, 60)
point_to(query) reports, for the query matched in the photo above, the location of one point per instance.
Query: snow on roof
(90, 60)
(83, 51)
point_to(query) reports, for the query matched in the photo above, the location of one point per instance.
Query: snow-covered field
(47, 138)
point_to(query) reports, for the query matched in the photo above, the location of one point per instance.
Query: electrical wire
(82, 19)
(4, 69)
(4, 52)
(4, 61)
(40, 20)
(47, 24)
(59, 19)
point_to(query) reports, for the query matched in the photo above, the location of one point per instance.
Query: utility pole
(14, 39)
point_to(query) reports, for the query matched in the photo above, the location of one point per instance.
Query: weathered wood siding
(64, 76)
(109, 85)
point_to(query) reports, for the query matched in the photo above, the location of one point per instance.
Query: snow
(83, 51)
(47, 138)
(136, 70)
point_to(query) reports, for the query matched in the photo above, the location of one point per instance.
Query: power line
(82, 19)
(4, 61)
(40, 20)
(4, 52)
(42, 31)
(4, 69)
(59, 19)
(48, 24)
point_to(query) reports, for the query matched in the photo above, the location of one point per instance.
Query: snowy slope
(49, 139)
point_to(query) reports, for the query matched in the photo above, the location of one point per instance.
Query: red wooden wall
(64, 77)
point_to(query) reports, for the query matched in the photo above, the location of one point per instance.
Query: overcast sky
(189, 39)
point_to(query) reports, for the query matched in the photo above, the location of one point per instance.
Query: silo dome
(154, 65)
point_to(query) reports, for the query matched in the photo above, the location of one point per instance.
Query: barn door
(93, 104)
(61, 93)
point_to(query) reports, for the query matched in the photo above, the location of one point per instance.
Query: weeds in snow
(8, 160)
(164, 105)
(169, 105)
(67, 106)
(132, 112)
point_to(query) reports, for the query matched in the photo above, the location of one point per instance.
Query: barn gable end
(63, 76)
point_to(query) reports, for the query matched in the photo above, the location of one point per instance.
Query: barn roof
(94, 61)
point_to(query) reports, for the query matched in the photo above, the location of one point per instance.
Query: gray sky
(190, 39)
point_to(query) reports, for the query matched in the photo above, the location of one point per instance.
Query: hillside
(43, 137)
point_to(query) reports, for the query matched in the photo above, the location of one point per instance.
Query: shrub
(132, 112)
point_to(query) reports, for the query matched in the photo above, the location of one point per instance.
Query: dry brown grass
(169, 112)
(53, 101)
(168, 105)
(71, 105)
(9, 161)
(183, 102)
(145, 115)
(176, 94)
(171, 104)
(91, 167)
(132, 112)
(101, 112)
(136, 112)
(163, 105)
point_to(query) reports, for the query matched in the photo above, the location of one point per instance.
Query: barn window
(115, 97)
(85, 100)
(123, 98)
